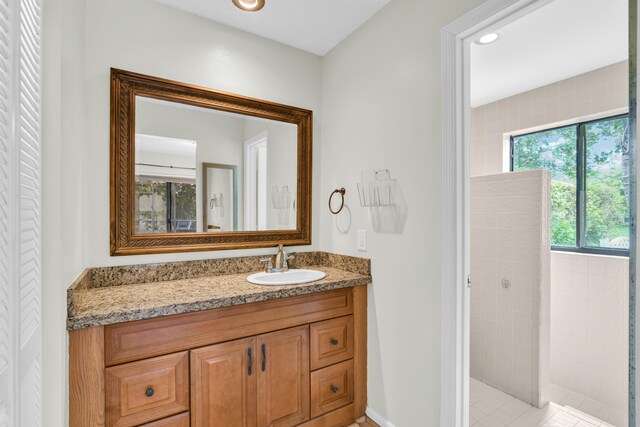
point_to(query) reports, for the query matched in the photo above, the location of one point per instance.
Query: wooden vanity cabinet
(298, 361)
(146, 390)
(283, 378)
(223, 385)
(260, 381)
(331, 388)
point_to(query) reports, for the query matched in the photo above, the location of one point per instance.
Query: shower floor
(491, 407)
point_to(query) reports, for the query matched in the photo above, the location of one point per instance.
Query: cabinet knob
(149, 392)
(334, 341)
(334, 389)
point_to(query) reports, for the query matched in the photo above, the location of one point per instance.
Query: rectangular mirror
(198, 169)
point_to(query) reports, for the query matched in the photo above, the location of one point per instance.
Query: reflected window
(165, 188)
(165, 207)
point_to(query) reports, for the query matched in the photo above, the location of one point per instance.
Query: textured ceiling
(315, 26)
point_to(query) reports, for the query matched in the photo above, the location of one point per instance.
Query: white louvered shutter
(20, 214)
(6, 242)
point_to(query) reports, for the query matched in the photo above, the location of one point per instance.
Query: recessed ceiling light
(249, 5)
(489, 38)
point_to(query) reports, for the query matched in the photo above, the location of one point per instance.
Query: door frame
(457, 37)
(251, 192)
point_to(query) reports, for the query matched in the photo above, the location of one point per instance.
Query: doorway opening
(535, 324)
(255, 152)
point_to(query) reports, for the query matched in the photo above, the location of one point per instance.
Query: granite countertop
(109, 295)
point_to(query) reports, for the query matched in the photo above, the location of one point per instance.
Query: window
(590, 182)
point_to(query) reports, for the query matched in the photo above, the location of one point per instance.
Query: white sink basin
(291, 277)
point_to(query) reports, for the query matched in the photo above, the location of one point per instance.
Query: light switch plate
(362, 240)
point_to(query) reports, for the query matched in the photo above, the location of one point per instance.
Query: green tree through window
(589, 188)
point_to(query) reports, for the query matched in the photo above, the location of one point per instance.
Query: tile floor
(492, 408)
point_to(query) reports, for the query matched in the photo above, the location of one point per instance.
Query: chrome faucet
(281, 261)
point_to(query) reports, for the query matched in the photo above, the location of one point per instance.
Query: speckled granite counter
(107, 295)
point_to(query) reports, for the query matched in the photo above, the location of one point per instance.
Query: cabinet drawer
(147, 390)
(126, 342)
(331, 342)
(331, 388)
(181, 420)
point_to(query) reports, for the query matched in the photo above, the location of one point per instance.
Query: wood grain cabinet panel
(331, 388)
(283, 380)
(180, 420)
(331, 342)
(86, 377)
(223, 384)
(125, 342)
(148, 390)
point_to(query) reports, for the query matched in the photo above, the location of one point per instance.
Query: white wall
(83, 39)
(590, 326)
(381, 107)
(62, 180)
(154, 39)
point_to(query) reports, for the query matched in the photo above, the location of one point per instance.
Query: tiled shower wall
(510, 282)
(589, 293)
(589, 325)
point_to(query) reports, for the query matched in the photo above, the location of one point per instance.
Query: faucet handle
(269, 264)
(290, 260)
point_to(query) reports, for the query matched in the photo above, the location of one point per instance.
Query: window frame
(581, 181)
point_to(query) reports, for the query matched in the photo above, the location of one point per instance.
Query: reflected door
(256, 183)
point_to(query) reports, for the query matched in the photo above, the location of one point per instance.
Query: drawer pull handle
(334, 341)
(334, 389)
(264, 358)
(250, 360)
(149, 392)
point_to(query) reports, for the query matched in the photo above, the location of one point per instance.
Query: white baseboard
(377, 418)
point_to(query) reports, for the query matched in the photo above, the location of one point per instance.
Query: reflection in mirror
(165, 184)
(220, 196)
(205, 170)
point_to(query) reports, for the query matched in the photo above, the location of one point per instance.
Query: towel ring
(341, 192)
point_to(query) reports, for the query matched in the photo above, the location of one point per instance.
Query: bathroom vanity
(194, 344)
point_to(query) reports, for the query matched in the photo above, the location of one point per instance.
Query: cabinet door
(223, 384)
(283, 378)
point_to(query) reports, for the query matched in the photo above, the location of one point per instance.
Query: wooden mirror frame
(125, 86)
